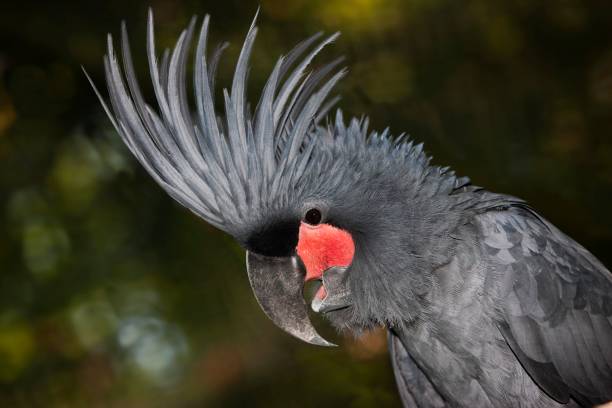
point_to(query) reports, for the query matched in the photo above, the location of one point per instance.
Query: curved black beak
(278, 284)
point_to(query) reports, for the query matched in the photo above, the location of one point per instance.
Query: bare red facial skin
(322, 246)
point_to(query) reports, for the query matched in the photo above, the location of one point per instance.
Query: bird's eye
(313, 216)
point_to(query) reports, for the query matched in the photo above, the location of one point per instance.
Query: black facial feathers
(276, 239)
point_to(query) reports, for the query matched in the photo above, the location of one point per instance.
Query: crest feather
(222, 167)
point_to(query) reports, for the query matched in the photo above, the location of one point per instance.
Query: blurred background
(112, 295)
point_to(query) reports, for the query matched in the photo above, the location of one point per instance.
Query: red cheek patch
(322, 246)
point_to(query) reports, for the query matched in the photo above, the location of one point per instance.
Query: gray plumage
(487, 303)
(227, 170)
(518, 304)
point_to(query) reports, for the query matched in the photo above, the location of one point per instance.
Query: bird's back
(521, 315)
(555, 305)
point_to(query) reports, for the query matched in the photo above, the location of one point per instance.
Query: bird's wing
(556, 305)
(416, 391)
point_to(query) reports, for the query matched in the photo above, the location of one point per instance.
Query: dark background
(113, 295)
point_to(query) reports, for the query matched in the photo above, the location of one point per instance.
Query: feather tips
(221, 173)
(232, 169)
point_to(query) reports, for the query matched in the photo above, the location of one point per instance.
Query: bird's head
(308, 202)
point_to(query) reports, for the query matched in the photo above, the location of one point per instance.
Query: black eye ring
(313, 217)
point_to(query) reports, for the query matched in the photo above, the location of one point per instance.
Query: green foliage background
(113, 295)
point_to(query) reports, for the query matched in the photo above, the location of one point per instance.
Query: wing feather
(414, 387)
(555, 313)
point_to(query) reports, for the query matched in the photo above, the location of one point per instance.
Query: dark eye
(313, 216)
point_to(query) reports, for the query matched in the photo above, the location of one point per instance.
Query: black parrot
(486, 302)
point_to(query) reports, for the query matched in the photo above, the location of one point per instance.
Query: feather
(221, 173)
(232, 168)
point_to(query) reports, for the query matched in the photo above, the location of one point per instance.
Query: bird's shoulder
(554, 301)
